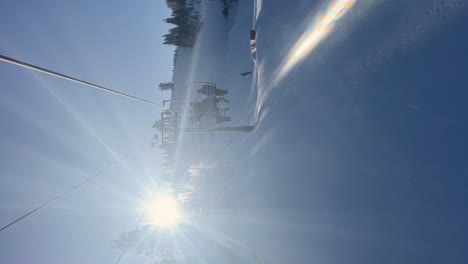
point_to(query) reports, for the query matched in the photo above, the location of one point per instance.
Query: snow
(348, 161)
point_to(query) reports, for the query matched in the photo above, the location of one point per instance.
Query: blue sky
(56, 133)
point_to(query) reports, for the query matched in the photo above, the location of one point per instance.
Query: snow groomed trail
(359, 150)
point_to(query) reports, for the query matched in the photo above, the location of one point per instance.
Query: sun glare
(163, 211)
(316, 32)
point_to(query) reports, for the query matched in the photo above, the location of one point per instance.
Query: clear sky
(56, 133)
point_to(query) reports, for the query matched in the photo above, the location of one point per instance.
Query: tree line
(187, 24)
(184, 34)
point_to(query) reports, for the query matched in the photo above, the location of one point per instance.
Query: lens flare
(316, 32)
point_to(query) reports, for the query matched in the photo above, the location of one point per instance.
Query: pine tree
(187, 25)
(166, 86)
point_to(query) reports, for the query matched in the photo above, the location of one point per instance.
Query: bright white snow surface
(359, 150)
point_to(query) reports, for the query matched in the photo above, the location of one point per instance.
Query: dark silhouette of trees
(187, 24)
(159, 125)
(206, 112)
(210, 90)
(166, 86)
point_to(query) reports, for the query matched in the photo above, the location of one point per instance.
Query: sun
(163, 211)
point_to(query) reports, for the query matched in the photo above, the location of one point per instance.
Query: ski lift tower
(170, 128)
(203, 128)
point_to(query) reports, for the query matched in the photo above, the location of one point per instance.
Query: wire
(58, 197)
(141, 219)
(66, 77)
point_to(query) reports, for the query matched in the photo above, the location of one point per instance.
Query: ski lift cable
(123, 252)
(58, 197)
(66, 77)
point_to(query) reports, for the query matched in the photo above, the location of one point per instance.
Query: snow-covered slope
(359, 151)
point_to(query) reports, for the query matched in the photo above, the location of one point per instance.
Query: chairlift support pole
(246, 129)
(166, 101)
